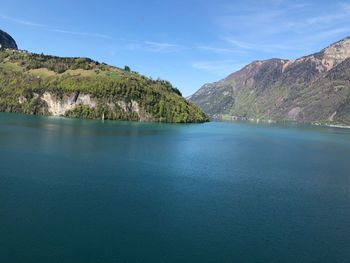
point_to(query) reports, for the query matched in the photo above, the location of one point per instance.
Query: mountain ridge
(280, 89)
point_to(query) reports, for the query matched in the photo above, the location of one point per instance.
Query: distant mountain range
(83, 88)
(314, 88)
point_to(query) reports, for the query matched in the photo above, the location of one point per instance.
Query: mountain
(83, 88)
(314, 88)
(6, 41)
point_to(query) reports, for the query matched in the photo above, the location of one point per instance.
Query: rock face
(60, 106)
(313, 88)
(63, 105)
(6, 41)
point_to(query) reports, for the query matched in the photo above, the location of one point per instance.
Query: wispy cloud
(345, 6)
(85, 34)
(220, 50)
(328, 33)
(283, 26)
(52, 29)
(269, 18)
(134, 45)
(154, 47)
(163, 47)
(260, 46)
(218, 67)
(279, 28)
(20, 21)
(341, 14)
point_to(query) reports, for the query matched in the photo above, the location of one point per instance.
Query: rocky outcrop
(6, 41)
(313, 88)
(134, 106)
(61, 105)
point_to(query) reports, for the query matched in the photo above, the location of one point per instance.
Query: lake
(92, 191)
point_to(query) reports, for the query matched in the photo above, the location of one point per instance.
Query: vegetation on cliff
(118, 94)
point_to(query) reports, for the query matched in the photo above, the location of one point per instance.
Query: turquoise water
(87, 191)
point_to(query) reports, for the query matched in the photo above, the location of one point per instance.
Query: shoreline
(333, 125)
(270, 121)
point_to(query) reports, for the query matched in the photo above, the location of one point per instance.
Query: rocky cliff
(6, 41)
(314, 88)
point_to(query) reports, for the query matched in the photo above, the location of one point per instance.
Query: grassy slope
(24, 74)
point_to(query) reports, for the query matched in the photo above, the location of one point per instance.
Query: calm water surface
(87, 191)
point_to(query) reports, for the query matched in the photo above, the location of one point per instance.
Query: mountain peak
(6, 41)
(336, 53)
(339, 49)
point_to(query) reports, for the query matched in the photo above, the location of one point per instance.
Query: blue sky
(186, 42)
